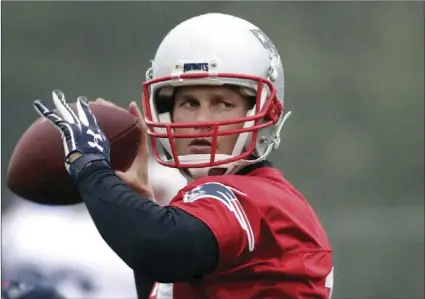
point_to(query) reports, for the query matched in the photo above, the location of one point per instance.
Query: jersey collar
(249, 168)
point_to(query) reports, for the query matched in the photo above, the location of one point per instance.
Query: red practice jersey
(271, 243)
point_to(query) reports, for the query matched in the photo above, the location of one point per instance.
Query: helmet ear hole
(163, 100)
(251, 102)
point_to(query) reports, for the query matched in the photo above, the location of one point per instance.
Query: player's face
(204, 104)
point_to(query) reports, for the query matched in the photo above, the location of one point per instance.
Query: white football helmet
(216, 49)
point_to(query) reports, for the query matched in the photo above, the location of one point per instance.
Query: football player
(213, 105)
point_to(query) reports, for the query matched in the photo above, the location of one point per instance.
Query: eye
(225, 105)
(189, 103)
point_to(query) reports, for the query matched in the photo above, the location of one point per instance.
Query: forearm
(166, 242)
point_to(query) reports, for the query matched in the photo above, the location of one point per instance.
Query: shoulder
(263, 193)
(261, 182)
(219, 190)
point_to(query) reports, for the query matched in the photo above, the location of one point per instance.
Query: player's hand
(137, 175)
(80, 133)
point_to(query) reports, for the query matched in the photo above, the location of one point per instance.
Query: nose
(204, 115)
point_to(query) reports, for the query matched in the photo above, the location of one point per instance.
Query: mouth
(200, 146)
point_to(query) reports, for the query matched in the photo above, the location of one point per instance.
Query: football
(36, 168)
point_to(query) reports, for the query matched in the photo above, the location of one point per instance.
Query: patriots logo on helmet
(265, 42)
(203, 67)
(225, 195)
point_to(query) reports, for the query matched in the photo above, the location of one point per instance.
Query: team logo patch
(226, 196)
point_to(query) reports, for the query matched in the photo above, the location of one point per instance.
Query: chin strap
(279, 126)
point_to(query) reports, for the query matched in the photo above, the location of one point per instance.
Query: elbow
(162, 257)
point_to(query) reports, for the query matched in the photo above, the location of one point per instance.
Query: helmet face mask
(261, 116)
(250, 63)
